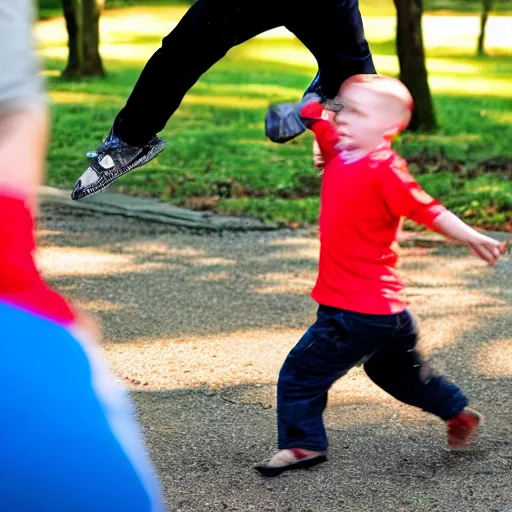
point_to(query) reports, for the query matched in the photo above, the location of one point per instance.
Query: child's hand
(482, 246)
(318, 159)
(486, 248)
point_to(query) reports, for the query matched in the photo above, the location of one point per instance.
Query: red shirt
(20, 281)
(361, 204)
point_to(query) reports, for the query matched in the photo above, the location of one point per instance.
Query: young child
(366, 190)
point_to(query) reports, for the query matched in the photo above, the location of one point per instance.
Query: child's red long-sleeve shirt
(361, 205)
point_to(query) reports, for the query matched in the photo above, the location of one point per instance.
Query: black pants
(331, 29)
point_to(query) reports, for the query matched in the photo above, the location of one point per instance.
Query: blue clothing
(68, 439)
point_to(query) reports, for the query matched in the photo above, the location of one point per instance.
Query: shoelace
(106, 144)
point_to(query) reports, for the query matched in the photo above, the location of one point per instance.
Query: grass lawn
(51, 8)
(217, 155)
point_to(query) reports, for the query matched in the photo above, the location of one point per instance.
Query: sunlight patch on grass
(255, 142)
(55, 52)
(386, 64)
(68, 97)
(225, 101)
(499, 116)
(288, 56)
(451, 67)
(460, 138)
(462, 32)
(158, 21)
(51, 73)
(471, 86)
(128, 53)
(264, 90)
(446, 31)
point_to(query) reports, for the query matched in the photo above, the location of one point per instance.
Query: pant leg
(333, 31)
(203, 36)
(68, 439)
(336, 342)
(399, 369)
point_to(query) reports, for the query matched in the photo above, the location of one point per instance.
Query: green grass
(217, 155)
(52, 8)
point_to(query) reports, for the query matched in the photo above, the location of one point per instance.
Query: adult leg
(207, 31)
(333, 32)
(203, 36)
(211, 27)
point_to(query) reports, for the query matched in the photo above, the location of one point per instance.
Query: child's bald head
(375, 108)
(390, 96)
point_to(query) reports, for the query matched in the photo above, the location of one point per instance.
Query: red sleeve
(20, 281)
(404, 197)
(323, 129)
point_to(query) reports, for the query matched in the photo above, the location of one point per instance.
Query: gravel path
(197, 326)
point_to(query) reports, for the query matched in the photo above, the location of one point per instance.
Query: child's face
(363, 122)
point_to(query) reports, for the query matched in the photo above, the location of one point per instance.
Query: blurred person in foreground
(68, 439)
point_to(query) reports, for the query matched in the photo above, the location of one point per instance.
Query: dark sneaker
(463, 428)
(110, 161)
(283, 121)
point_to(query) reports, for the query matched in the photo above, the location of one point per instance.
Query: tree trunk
(82, 22)
(413, 70)
(486, 8)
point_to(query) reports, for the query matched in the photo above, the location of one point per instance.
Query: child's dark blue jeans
(340, 340)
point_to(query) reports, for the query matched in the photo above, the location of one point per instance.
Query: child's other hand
(487, 248)
(318, 159)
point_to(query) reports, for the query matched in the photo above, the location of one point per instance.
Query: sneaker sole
(94, 189)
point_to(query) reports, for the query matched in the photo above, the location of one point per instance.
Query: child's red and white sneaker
(462, 428)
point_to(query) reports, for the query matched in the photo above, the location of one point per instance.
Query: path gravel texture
(197, 325)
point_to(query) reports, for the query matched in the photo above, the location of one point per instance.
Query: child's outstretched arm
(325, 132)
(482, 246)
(405, 198)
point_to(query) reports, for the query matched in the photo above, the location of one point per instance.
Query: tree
(82, 22)
(411, 57)
(486, 8)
